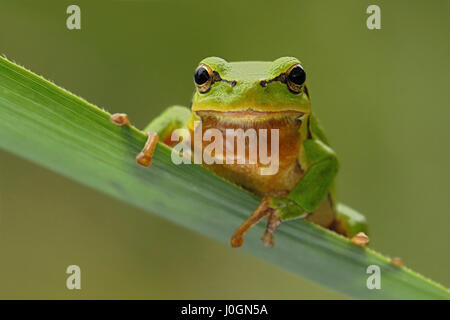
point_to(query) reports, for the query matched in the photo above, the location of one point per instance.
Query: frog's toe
(236, 241)
(262, 211)
(360, 239)
(397, 261)
(120, 119)
(272, 225)
(277, 209)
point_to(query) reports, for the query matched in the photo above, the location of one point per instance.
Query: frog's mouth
(251, 115)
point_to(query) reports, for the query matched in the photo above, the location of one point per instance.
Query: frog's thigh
(349, 222)
(324, 215)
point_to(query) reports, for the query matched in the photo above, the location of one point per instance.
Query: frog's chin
(250, 115)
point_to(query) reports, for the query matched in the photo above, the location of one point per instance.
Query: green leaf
(52, 127)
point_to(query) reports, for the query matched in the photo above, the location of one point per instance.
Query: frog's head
(250, 87)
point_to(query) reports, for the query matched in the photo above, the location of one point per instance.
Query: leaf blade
(52, 127)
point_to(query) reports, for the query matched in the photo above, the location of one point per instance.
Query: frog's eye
(203, 78)
(296, 77)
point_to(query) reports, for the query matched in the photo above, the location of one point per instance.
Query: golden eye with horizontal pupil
(296, 77)
(203, 78)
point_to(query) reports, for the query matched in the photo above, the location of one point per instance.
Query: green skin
(316, 156)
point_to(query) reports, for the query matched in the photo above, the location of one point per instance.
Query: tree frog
(264, 95)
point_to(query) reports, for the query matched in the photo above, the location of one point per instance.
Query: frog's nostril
(233, 83)
(263, 83)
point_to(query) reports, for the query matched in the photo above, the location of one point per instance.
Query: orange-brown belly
(248, 175)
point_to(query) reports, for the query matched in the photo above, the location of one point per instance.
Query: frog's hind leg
(159, 129)
(325, 213)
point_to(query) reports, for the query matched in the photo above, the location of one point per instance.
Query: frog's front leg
(277, 210)
(160, 129)
(145, 157)
(320, 165)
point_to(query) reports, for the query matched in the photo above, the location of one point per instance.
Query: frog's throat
(250, 116)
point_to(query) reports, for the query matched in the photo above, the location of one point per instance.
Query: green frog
(264, 95)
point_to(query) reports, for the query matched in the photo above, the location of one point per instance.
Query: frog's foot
(277, 209)
(145, 157)
(120, 119)
(360, 239)
(262, 211)
(397, 261)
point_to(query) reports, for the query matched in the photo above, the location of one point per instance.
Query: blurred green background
(382, 96)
